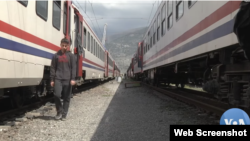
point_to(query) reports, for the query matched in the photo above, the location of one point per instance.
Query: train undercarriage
(18, 97)
(224, 73)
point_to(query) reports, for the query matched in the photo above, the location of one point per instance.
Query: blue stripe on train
(18, 47)
(216, 33)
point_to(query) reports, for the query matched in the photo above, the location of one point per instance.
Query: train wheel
(177, 85)
(17, 98)
(39, 92)
(182, 85)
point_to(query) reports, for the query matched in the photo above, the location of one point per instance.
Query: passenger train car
(30, 33)
(195, 42)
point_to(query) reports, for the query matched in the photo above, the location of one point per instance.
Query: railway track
(11, 115)
(200, 100)
(187, 91)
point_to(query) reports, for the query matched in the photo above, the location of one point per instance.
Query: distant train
(195, 42)
(30, 33)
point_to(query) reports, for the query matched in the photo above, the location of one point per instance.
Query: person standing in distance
(62, 74)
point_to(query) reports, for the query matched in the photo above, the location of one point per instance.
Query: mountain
(122, 46)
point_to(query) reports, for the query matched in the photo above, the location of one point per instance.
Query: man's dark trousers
(64, 88)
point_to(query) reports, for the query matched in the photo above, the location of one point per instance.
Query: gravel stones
(108, 112)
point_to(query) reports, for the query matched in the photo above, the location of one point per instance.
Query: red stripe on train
(223, 11)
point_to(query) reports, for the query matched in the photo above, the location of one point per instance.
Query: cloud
(120, 16)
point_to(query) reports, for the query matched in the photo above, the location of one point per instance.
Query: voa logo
(231, 121)
(235, 116)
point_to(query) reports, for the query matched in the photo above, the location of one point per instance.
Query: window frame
(176, 8)
(151, 37)
(22, 2)
(64, 18)
(163, 20)
(41, 16)
(191, 5)
(158, 26)
(55, 2)
(154, 32)
(89, 41)
(95, 48)
(170, 15)
(84, 37)
(69, 25)
(92, 43)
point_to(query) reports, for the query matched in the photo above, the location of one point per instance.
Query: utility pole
(104, 35)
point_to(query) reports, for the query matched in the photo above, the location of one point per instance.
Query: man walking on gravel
(62, 74)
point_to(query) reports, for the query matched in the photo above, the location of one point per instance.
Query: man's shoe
(63, 117)
(58, 116)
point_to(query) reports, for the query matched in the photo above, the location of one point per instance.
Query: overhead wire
(86, 15)
(95, 17)
(151, 12)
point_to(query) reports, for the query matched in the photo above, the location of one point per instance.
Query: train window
(56, 17)
(99, 51)
(24, 3)
(64, 18)
(163, 23)
(148, 40)
(151, 36)
(82, 35)
(102, 54)
(158, 27)
(191, 3)
(84, 38)
(170, 14)
(92, 44)
(69, 25)
(80, 32)
(179, 9)
(154, 31)
(94, 48)
(42, 9)
(88, 41)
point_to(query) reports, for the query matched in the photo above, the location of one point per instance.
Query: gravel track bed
(110, 112)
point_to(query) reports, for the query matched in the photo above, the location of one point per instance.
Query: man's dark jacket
(63, 66)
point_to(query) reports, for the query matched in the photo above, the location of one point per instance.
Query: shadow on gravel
(45, 117)
(134, 114)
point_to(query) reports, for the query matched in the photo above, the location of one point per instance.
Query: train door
(132, 67)
(141, 56)
(77, 39)
(106, 64)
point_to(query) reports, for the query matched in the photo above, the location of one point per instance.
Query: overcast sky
(120, 15)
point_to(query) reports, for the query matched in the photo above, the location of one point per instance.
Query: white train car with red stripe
(116, 70)
(195, 42)
(137, 62)
(30, 33)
